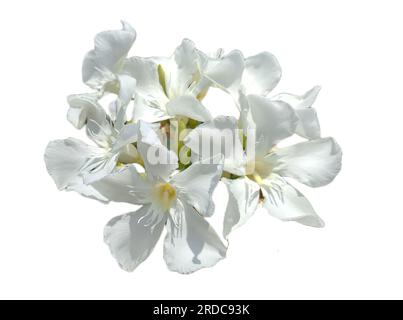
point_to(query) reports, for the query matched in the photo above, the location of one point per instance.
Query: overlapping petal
(219, 136)
(197, 183)
(272, 121)
(127, 86)
(308, 124)
(159, 162)
(127, 135)
(126, 185)
(84, 107)
(85, 190)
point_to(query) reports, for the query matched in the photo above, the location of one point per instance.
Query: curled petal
(84, 107)
(308, 124)
(105, 60)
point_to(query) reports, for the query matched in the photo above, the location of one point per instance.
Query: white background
(51, 242)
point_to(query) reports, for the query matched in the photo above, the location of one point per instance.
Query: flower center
(258, 170)
(164, 194)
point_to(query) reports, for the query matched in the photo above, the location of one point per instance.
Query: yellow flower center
(258, 170)
(164, 194)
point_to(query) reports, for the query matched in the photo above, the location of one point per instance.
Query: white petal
(288, 204)
(193, 244)
(110, 48)
(197, 183)
(128, 134)
(308, 124)
(83, 107)
(64, 159)
(113, 109)
(242, 203)
(145, 71)
(314, 163)
(127, 86)
(272, 120)
(219, 136)
(129, 154)
(129, 240)
(188, 106)
(180, 69)
(101, 132)
(98, 168)
(85, 190)
(126, 185)
(262, 73)
(225, 72)
(159, 162)
(149, 113)
(299, 101)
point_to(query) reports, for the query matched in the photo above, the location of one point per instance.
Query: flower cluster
(155, 144)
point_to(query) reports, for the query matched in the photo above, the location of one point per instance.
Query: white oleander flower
(259, 177)
(259, 75)
(179, 201)
(156, 145)
(74, 165)
(176, 86)
(102, 65)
